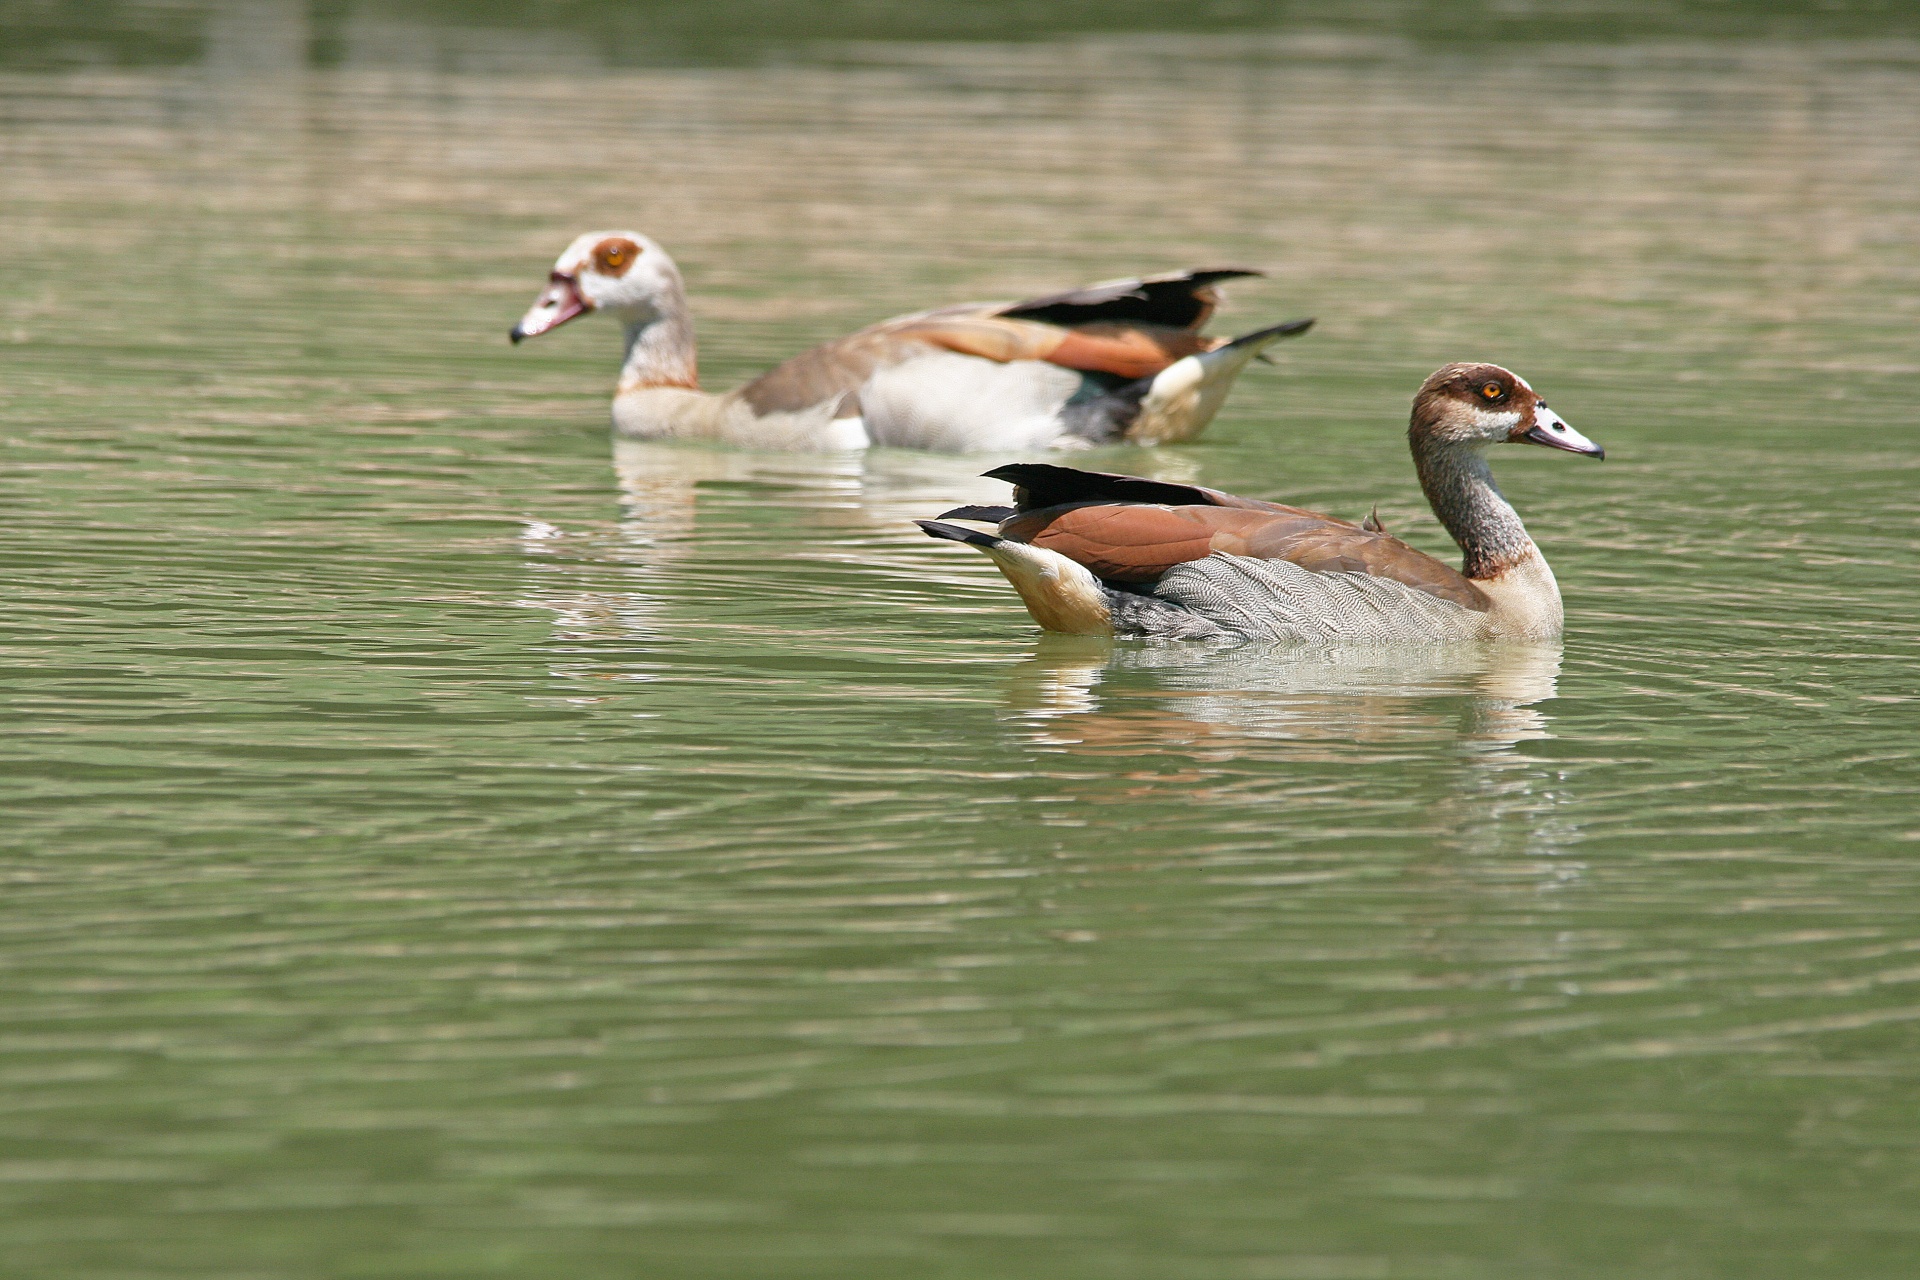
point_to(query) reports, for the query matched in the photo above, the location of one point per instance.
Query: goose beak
(558, 303)
(1551, 430)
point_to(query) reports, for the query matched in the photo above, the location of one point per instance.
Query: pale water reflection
(883, 490)
(1214, 699)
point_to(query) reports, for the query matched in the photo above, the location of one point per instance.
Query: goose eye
(1493, 391)
(615, 256)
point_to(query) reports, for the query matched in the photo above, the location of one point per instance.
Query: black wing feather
(1041, 484)
(1177, 300)
(992, 515)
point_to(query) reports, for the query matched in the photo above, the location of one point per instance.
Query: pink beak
(558, 303)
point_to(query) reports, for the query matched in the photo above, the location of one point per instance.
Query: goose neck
(1459, 486)
(660, 348)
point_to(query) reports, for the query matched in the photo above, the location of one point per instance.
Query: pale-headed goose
(1100, 554)
(1118, 361)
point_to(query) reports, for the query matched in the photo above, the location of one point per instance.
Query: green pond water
(439, 844)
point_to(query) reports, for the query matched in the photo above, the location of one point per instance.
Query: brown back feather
(1128, 329)
(1138, 543)
(838, 368)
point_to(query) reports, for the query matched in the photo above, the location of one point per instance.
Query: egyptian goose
(1118, 361)
(1114, 555)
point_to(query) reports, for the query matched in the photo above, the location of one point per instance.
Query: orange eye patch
(613, 257)
(1493, 391)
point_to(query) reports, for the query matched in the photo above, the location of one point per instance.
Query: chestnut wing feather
(1138, 543)
(1119, 543)
(1129, 351)
(841, 367)
(1128, 329)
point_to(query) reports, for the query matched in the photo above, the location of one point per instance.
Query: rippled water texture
(442, 846)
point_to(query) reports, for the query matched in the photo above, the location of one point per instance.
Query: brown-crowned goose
(1118, 361)
(1101, 554)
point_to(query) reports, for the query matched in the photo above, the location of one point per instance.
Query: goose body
(1124, 360)
(1100, 554)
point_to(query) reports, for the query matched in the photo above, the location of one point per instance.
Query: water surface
(442, 845)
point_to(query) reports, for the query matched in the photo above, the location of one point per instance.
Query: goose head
(622, 272)
(1475, 405)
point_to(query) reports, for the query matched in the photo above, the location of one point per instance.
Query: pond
(442, 844)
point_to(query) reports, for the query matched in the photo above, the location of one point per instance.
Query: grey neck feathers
(660, 350)
(1459, 485)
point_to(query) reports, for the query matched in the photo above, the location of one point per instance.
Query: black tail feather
(1272, 333)
(955, 533)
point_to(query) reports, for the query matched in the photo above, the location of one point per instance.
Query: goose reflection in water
(669, 491)
(683, 505)
(1207, 723)
(1094, 695)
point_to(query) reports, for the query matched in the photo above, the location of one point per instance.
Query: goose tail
(1178, 402)
(1061, 594)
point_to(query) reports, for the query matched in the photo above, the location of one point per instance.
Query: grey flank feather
(1144, 617)
(1278, 600)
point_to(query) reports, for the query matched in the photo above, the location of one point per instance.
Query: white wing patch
(846, 433)
(964, 404)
